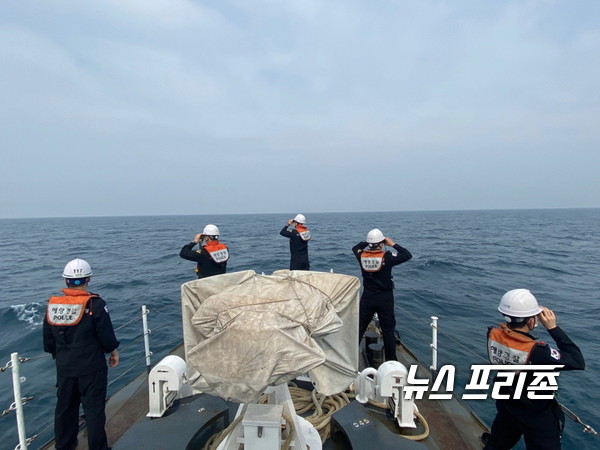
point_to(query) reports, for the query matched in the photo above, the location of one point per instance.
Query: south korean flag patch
(555, 354)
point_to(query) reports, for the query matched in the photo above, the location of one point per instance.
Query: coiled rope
(323, 407)
(424, 434)
(412, 437)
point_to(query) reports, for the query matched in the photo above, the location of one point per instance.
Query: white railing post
(434, 343)
(18, 401)
(146, 336)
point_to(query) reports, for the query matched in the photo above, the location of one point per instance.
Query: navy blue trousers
(299, 262)
(88, 391)
(541, 429)
(383, 305)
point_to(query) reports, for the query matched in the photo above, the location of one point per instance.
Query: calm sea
(463, 262)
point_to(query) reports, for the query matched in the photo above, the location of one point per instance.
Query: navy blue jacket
(80, 349)
(381, 281)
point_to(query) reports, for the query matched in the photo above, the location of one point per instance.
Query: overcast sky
(134, 107)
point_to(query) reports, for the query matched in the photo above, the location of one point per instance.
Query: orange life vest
(68, 309)
(217, 251)
(372, 260)
(303, 232)
(506, 346)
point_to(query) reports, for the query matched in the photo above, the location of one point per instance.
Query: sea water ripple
(463, 262)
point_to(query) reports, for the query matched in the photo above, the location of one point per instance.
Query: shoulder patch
(106, 309)
(555, 354)
(394, 254)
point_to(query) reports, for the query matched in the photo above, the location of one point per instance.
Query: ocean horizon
(310, 212)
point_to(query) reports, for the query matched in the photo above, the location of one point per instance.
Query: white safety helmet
(300, 219)
(210, 230)
(375, 236)
(78, 268)
(519, 303)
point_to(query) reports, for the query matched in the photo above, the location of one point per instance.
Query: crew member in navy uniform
(211, 257)
(539, 420)
(299, 237)
(78, 332)
(378, 287)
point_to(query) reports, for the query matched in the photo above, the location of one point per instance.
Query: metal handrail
(15, 362)
(434, 343)
(19, 401)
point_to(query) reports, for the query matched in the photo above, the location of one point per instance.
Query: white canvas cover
(243, 331)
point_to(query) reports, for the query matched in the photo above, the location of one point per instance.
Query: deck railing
(16, 361)
(17, 380)
(19, 401)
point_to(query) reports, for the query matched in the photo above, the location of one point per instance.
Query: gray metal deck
(452, 424)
